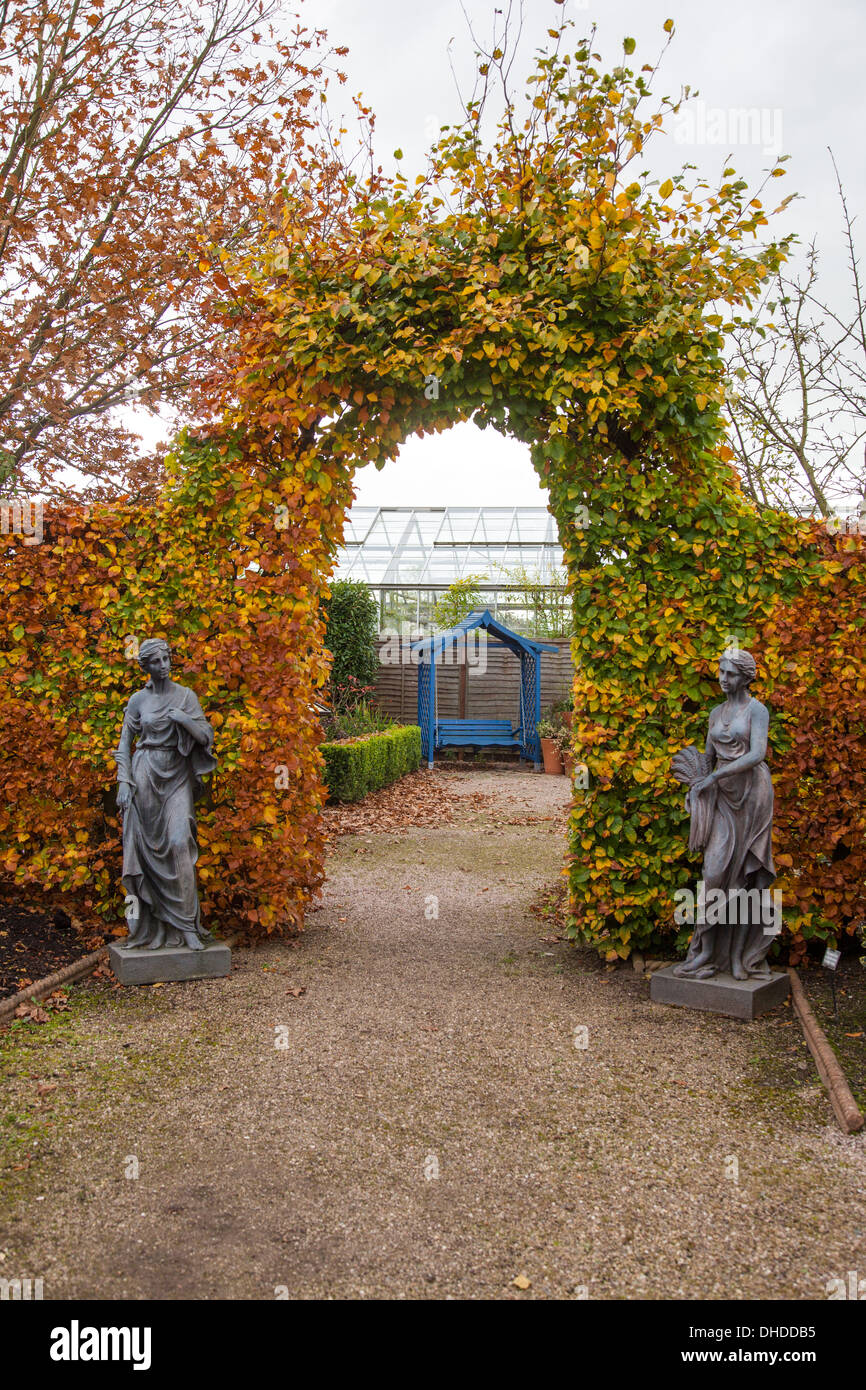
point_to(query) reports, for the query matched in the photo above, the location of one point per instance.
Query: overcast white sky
(799, 64)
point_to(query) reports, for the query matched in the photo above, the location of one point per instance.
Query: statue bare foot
(695, 970)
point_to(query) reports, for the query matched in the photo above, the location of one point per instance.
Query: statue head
(736, 669)
(154, 656)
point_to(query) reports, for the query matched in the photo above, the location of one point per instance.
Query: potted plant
(563, 711)
(566, 751)
(549, 747)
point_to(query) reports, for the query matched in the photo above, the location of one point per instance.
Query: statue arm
(123, 757)
(190, 716)
(198, 729)
(123, 752)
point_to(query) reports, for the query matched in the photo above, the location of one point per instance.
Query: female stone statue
(157, 785)
(730, 800)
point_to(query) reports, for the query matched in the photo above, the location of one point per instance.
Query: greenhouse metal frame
(410, 556)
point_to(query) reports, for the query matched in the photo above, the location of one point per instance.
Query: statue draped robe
(732, 821)
(160, 843)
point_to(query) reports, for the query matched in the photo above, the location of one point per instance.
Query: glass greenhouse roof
(433, 546)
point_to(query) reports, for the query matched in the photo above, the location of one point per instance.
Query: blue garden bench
(431, 652)
(477, 733)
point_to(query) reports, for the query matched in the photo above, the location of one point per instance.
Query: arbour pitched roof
(480, 617)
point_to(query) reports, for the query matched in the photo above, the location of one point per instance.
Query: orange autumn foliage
(199, 570)
(815, 655)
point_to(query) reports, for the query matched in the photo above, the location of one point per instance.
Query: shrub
(352, 618)
(355, 721)
(352, 770)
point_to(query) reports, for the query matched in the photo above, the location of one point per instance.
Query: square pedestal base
(135, 965)
(720, 995)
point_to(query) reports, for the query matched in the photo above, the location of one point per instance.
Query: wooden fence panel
(493, 693)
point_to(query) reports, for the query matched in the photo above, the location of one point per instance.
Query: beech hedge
(359, 766)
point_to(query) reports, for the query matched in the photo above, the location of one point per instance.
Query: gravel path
(427, 1127)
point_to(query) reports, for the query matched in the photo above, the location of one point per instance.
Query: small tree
(797, 397)
(459, 601)
(139, 144)
(549, 602)
(352, 619)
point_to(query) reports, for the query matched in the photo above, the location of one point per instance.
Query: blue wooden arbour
(480, 733)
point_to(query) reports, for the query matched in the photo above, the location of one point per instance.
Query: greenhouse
(507, 557)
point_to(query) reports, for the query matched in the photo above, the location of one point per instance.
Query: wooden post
(844, 1105)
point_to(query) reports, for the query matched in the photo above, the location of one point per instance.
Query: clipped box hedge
(362, 765)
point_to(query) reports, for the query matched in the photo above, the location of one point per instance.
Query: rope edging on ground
(844, 1105)
(76, 971)
(85, 966)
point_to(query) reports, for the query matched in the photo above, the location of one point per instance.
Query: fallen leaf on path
(419, 799)
(521, 1282)
(296, 993)
(32, 1012)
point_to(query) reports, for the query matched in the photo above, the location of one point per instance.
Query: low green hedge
(365, 764)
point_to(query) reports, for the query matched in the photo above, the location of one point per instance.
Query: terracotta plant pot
(551, 756)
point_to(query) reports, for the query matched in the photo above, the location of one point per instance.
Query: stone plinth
(720, 995)
(136, 965)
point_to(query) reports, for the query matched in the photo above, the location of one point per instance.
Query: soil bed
(33, 945)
